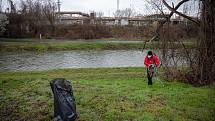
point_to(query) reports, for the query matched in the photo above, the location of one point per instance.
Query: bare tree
(3, 22)
(49, 9)
(100, 14)
(206, 62)
(156, 5)
(31, 17)
(118, 14)
(127, 12)
(172, 9)
(203, 69)
(12, 6)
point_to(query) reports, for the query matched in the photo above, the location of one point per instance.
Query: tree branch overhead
(174, 10)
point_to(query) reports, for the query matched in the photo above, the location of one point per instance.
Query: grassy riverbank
(43, 45)
(105, 94)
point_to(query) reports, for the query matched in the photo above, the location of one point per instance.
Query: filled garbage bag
(64, 101)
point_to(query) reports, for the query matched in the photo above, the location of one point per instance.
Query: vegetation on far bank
(106, 44)
(105, 94)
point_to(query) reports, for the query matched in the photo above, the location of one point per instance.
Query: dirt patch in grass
(9, 111)
(155, 104)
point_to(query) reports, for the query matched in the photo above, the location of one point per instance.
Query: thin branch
(180, 14)
(156, 5)
(153, 38)
(170, 15)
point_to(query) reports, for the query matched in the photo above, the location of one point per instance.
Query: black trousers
(149, 78)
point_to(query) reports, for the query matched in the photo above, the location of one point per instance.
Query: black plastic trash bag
(64, 101)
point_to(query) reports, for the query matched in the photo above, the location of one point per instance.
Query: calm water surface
(34, 61)
(31, 61)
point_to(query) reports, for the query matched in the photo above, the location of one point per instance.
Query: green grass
(108, 94)
(37, 45)
(42, 46)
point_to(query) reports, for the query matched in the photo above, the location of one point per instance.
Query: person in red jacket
(151, 62)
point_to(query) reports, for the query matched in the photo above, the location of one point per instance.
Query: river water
(34, 61)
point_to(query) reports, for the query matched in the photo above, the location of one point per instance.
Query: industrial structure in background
(47, 20)
(76, 17)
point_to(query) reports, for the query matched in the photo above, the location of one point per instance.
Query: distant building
(156, 17)
(75, 17)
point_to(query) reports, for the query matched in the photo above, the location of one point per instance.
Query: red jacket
(152, 60)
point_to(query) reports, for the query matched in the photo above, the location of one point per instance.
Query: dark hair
(149, 52)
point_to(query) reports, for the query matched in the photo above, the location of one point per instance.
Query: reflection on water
(31, 61)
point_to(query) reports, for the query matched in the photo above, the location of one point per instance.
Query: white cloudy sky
(93, 5)
(108, 7)
(105, 6)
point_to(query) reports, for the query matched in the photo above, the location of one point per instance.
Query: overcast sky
(108, 7)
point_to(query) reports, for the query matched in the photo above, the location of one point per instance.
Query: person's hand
(151, 66)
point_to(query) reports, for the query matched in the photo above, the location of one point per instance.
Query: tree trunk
(207, 43)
